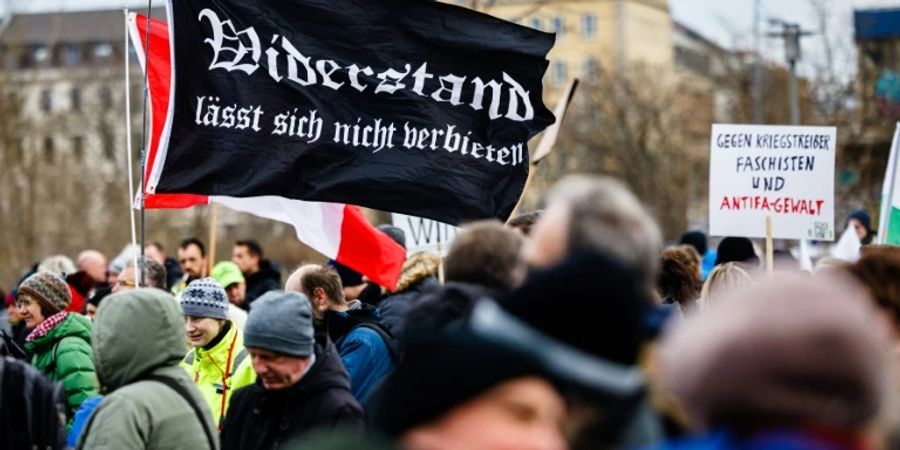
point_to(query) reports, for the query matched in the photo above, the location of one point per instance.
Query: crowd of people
(573, 327)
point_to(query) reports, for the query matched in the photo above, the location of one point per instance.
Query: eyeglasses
(125, 283)
(23, 302)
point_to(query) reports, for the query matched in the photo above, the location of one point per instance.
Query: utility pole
(791, 33)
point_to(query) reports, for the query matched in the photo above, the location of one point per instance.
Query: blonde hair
(723, 279)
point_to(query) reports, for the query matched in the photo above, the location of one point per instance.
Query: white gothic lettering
(286, 63)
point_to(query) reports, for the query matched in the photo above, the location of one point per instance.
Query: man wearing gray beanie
(301, 382)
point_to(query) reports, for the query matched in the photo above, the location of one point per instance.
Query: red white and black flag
(408, 106)
(340, 232)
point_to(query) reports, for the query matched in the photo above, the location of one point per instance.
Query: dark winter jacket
(23, 388)
(361, 341)
(394, 308)
(262, 419)
(173, 273)
(418, 276)
(268, 278)
(436, 310)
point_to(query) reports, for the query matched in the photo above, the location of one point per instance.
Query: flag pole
(144, 138)
(887, 192)
(213, 226)
(138, 275)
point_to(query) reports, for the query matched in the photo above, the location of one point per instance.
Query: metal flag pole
(144, 137)
(128, 148)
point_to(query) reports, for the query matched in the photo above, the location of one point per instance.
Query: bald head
(294, 282)
(94, 264)
(321, 286)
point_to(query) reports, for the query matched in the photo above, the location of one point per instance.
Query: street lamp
(791, 33)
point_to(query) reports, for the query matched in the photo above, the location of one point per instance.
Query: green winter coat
(72, 363)
(140, 333)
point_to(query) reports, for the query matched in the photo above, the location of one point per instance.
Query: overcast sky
(726, 22)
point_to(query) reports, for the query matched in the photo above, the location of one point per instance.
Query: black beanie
(349, 277)
(695, 239)
(589, 301)
(440, 372)
(736, 249)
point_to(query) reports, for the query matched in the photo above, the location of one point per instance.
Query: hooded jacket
(64, 355)
(268, 278)
(137, 334)
(418, 277)
(263, 419)
(221, 370)
(363, 350)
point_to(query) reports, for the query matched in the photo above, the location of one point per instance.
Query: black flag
(415, 107)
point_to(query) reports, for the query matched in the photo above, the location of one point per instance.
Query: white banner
(425, 235)
(786, 172)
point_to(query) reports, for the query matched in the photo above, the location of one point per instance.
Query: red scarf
(47, 325)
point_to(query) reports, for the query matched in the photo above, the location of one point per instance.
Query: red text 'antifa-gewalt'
(778, 205)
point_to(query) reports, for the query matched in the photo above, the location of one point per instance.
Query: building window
(48, 149)
(71, 55)
(537, 23)
(109, 150)
(103, 51)
(46, 100)
(106, 97)
(591, 68)
(589, 25)
(559, 26)
(78, 147)
(40, 54)
(75, 96)
(559, 73)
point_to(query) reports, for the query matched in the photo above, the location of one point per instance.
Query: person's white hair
(58, 264)
(605, 216)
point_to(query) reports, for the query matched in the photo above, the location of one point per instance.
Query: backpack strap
(388, 338)
(189, 358)
(51, 368)
(180, 390)
(241, 356)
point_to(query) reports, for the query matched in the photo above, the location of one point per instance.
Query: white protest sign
(786, 172)
(425, 235)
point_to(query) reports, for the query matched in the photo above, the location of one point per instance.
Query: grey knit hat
(205, 298)
(281, 322)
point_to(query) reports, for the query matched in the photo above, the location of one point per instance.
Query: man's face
(547, 245)
(91, 310)
(319, 302)
(241, 256)
(192, 262)
(858, 227)
(237, 293)
(277, 371)
(125, 281)
(151, 251)
(524, 413)
(201, 330)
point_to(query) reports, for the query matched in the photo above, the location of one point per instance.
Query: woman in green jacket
(218, 362)
(60, 341)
